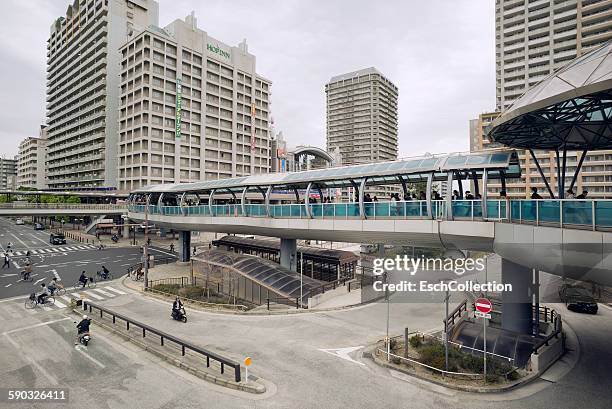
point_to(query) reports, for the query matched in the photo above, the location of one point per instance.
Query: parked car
(39, 226)
(19, 222)
(578, 299)
(57, 238)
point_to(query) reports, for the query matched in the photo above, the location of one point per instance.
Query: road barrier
(89, 306)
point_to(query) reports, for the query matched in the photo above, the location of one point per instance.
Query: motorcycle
(179, 315)
(84, 338)
(115, 238)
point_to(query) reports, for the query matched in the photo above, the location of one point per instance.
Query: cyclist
(42, 297)
(54, 285)
(104, 273)
(83, 278)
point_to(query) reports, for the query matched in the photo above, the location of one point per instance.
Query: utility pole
(301, 277)
(145, 252)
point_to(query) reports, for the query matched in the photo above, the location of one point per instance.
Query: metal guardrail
(455, 314)
(558, 328)
(89, 306)
(283, 300)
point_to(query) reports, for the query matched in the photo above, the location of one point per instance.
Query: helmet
(84, 317)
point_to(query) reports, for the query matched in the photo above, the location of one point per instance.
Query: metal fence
(89, 306)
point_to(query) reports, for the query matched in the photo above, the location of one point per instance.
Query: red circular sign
(483, 305)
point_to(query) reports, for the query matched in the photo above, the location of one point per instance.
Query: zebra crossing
(51, 250)
(90, 294)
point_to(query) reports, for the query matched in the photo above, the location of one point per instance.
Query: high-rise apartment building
(362, 117)
(191, 108)
(83, 64)
(31, 161)
(533, 38)
(8, 173)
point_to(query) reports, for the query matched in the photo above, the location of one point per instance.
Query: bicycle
(32, 301)
(137, 275)
(91, 283)
(26, 276)
(99, 276)
(59, 290)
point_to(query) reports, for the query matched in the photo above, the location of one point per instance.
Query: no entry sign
(483, 305)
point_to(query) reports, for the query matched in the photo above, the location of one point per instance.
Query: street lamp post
(301, 277)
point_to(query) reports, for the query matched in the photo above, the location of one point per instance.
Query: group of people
(569, 194)
(468, 195)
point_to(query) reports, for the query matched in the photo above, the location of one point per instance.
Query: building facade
(595, 176)
(31, 161)
(83, 64)
(191, 108)
(8, 173)
(362, 117)
(533, 38)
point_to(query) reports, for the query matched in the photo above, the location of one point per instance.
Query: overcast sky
(440, 53)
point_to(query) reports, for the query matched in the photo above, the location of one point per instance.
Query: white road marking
(343, 353)
(37, 238)
(42, 324)
(65, 297)
(38, 281)
(21, 241)
(44, 307)
(103, 292)
(96, 296)
(8, 285)
(79, 348)
(114, 290)
(34, 251)
(15, 264)
(8, 275)
(59, 304)
(19, 253)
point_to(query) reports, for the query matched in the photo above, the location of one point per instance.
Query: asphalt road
(63, 261)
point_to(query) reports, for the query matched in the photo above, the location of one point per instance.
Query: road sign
(483, 305)
(482, 315)
(247, 361)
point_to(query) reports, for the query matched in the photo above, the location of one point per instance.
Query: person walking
(172, 247)
(583, 195)
(7, 263)
(534, 194)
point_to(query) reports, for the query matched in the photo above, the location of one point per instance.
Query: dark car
(39, 226)
(578, 299)
(56, 238)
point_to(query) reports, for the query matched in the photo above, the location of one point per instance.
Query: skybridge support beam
(184, 245)
(550, 192)
(517, 312)
(288, 253)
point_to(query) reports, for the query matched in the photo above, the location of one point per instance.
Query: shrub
(195, 293)
(433, 355)
(167, 288)
(415, 341)
(393, 344)
(472, 363)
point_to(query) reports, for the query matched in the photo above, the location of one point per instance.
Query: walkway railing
(592, 214)
(88, 306)
(63, 206)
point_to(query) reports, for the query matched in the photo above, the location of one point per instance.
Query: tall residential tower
(362, 117)
(83, 63)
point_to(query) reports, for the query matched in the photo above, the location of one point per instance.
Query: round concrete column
(288, 253)
(516, 304)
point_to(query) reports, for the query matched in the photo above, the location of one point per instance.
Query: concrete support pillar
(162, 232)
(516, 304)
(184, 245)
(288, 254)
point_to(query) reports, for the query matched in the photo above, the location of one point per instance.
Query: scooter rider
(177, 306)
(82, 328)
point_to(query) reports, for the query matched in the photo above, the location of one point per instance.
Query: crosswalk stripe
(55, 250)
(60, 304)
(34, 251)
(18, 253)
(44, 307)
(65, 297)
(61, 248)
(96, 296)
(114, 290)
(82, 247)
(103, 292)
(71, 248)
(78, 296)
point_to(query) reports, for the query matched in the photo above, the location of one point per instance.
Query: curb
(254, 387)
(524, 381)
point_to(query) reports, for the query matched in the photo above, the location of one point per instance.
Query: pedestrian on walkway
(6, 261)
(194, 250)
(172, 247)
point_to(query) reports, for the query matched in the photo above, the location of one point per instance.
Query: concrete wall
(548, 355)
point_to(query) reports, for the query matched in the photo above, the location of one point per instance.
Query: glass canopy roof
(278, 279)
(571, 108)
(411, 170)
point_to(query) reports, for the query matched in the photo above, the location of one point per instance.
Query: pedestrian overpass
(60, 209)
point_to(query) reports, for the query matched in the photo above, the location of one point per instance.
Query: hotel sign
(177, 131)
(216, 50)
